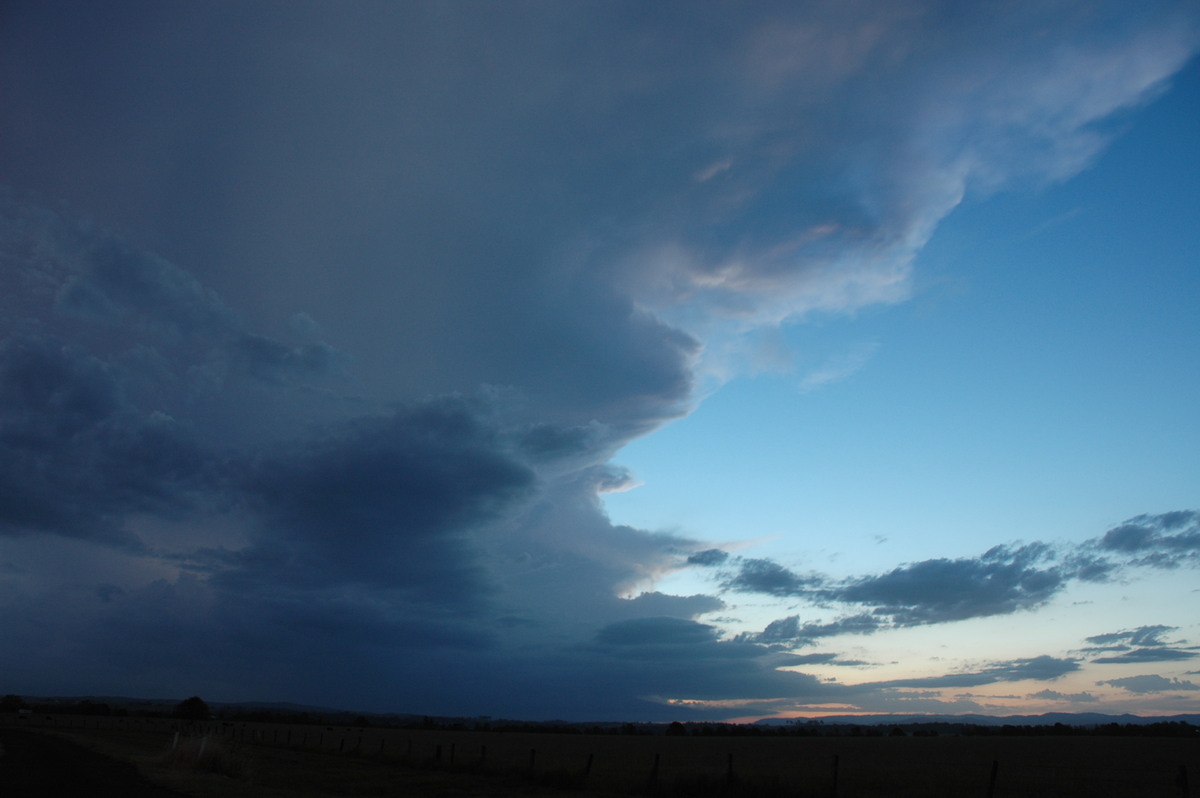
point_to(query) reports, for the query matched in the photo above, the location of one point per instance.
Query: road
(37, 765)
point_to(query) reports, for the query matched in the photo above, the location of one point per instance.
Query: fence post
(654, 772)
(992, 779)
(452, 747)
(587, 769)
(532, 757)
(482, 756)
(835, 775)
(1182, 781)
(729, 768)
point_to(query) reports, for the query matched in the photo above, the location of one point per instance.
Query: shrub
(206, 755)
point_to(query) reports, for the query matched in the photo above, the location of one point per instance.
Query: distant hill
(1047, 719)
(165, 705)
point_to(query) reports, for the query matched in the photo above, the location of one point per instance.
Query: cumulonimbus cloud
(354, 418)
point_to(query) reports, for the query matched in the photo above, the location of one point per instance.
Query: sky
(602, 360)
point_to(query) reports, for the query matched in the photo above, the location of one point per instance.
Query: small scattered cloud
(1162, 654)
(1041, 668)
(708, 557)
(827, 658)
(1141, 636)
(790, 631)
(1143, 644)
(1167, 540)
(1151, 683)
(769, 577)
(1001, 581)
(1074, 698)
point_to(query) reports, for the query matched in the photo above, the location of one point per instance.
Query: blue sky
(1037, 383)
(595, 361)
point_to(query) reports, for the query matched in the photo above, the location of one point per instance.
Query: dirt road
(33, 764)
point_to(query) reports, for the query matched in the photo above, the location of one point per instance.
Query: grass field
(250, 759)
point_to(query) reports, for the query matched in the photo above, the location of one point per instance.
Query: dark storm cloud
(113, 363)
(522, 235)
(656, 632)
(118, 284)
(167, 342)
(75, 457)
(675, 662)
(274, 361)
(383, 501)
(554, 441)
(1003, 580)
(655, 603)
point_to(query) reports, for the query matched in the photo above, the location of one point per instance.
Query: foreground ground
(141, 765)
(148, 760)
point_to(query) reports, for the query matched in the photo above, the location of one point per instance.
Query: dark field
(260, 759)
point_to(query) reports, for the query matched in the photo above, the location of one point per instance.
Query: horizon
(547, 360)
(288, 707)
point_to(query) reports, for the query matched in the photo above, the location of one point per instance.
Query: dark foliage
(193, 708)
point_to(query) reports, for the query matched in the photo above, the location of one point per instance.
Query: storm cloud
(321, 327)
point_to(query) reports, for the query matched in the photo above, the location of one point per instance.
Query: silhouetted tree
(192, 708)
(12, 703)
